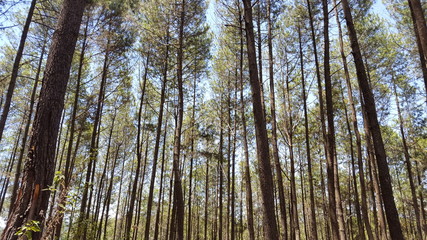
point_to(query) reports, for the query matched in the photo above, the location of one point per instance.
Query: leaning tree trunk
(423, 57)
(27, 129)
(31, 203)
(408, 164)
(419, 20)
(15, 68)
(371, 112)
(263, 155)
(364, 206)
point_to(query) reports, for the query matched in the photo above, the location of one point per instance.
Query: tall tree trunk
(101, 183)
(85, 203)
(220, 170)
(205, 228)
(265, 172)
(278, 168)
(233, 168)
(418, 18)
(27, 129)
(192, 152)
(110, 188)
(421, 197)
(419, 233)
(10, 165)
(247, 173)
(259, 48)
(31, 202)
(157, 143)
(335, 205)
(364, 205)
(129, 214)
(69, 164)
(423, 57)
(353, 174)
(15, 68)
(313, 225)
(293, 211)
(177, 229)
(371, 112)
(320, 95)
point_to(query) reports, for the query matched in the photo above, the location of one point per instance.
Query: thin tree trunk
(294, 223)
(85, 203)
(259, 48)
(220, 170)
(157, 143)
(10, 165)
(421, 197)
(159, 205)
(101, 182)
(129, 214)
(321, 104)
(313, 225)
(192, 152)
(233, 167)
(353, 174)
(15, 68)
(278, 168)
(27, 129)
(118, 203)
(205, 232)
(110, 188)
(419, 233)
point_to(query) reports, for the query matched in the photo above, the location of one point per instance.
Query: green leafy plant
(28, 229)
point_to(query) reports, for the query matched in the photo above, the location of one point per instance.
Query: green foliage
(28, 229)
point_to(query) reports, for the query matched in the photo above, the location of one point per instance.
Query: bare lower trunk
(263, 155)
(372, 119)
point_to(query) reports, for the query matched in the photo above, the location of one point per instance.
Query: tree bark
(177, 230)
(423, 57)
(364, 205)
(335, 207)
(32, 202)
(265, 173)
(371, 112)
(419, 20)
